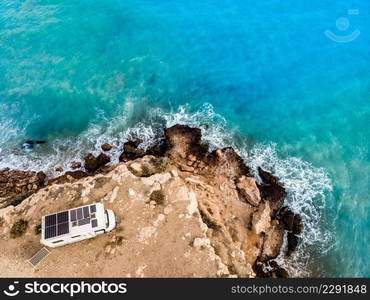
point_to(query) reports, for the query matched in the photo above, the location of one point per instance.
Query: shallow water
(262, 74)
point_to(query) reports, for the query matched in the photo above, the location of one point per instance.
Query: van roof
(74, 221)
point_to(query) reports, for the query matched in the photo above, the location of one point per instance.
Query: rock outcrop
(271, 189)
(185, 212)
(92, 163)
(18, 185)
(106, 147)
(247, 187)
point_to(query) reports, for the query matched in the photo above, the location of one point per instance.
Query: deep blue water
(263, 74)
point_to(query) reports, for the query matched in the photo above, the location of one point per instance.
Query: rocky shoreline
(258, 233)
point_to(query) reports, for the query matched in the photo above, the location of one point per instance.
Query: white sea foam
(307, 186)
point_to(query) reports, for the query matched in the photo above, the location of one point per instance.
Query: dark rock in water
(287, 216)
(91, 163)
(106, 147)
(270, 269)
(102, 159)
(59, 169)
(271, 189)
(258, 268)
(132, 144)
(130, 150)
(75, 164)
(29, 142)
(41, 176)
(39, 142)
(297, 224)
(292, 243)
(292, 222)
(277, 271)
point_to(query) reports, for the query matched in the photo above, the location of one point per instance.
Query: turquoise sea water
(262, 74)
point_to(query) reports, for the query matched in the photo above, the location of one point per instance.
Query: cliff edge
(184, 211)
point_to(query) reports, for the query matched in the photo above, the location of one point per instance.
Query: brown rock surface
(15, 185)
(247, 187)
(106, 147)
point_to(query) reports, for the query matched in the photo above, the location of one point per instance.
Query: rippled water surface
(263, 74)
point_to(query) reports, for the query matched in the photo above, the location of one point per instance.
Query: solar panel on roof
(86, 212)
(50, 232)
(73, 215)
(79, 213)
(94, 223)
(93, 208)
(63, 228)
(50, 220)
(63, 217)
(83, 222)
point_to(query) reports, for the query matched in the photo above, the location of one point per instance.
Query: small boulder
(102, 159)
(75, 165)
(91, 163)
(106, 147)
(247, 187)
(59, 169)
(136, 169)
(41, 176)
(130, 150)
(133, 143)
(186, 168)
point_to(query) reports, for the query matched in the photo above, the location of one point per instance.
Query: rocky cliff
(185, 212)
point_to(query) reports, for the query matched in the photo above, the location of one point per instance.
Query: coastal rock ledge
(184, 211)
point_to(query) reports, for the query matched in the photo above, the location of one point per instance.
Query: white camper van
(76, 224)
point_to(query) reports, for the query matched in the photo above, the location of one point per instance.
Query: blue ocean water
(263, 75)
